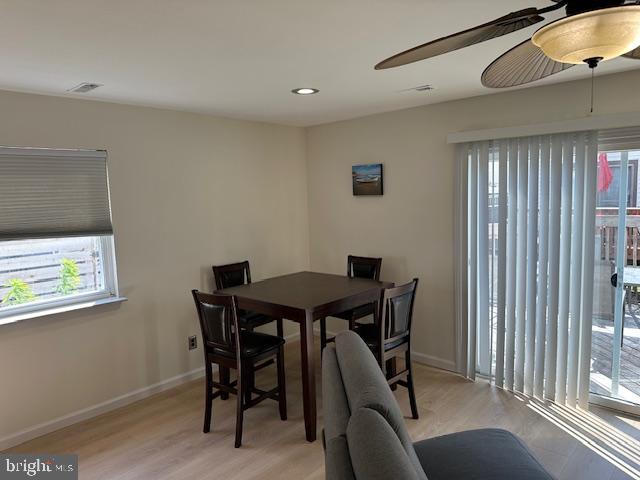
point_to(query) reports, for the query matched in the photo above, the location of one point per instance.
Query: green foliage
(69, 279)
(19, 292)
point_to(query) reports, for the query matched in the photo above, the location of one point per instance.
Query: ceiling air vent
(84, 87)
(419, 88)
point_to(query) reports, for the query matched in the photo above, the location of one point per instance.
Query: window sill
(53, 310)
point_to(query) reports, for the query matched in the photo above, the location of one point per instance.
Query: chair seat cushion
(369, 333)
(253, 344)
(486, 454)
(358, 312)
(253, 319)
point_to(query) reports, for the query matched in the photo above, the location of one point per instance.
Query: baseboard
(293, 336)
(35, 431)
(44, 428)
(98, 409)
(432, 361)
(418, 357)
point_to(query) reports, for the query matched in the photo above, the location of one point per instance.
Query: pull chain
(592, 63)
(593, 74)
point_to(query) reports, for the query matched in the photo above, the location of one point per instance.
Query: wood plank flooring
(161, 437)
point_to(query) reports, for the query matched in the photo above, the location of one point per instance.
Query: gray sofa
(365, 436)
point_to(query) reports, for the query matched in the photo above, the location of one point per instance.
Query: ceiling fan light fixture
(605, 33)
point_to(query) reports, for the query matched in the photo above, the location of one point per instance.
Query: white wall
(188, 191)
(411, 226)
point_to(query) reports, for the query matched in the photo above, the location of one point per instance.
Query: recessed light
(305, 91)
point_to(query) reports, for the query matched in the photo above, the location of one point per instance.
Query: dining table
(305, 297)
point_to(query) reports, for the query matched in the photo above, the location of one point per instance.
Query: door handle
(614, 280)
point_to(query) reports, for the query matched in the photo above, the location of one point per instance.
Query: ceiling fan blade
(634, 54)
(522, 64)
(497, 28)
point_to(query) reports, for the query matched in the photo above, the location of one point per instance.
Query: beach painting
(367, 179)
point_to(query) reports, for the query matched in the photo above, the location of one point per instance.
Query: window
(56, 239)
(607, 196)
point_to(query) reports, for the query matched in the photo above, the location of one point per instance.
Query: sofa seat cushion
(486, 454)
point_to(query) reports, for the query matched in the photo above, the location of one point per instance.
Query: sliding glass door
(615, 348)
(552, 242)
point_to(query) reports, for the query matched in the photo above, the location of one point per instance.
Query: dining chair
(357, 267)
(232, 275)
(390, 336)
(629, 293)
(229, 347)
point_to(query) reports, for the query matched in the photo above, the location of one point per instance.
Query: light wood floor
(161, 437)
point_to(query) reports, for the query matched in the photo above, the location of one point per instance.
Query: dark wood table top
(304, 297)
(305, 290)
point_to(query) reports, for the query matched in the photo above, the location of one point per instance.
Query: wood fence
(39, 264)
(608, 241)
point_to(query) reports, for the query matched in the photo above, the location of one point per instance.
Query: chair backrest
(218, 321)
(396, 312)
(364, 267)
(232, 275)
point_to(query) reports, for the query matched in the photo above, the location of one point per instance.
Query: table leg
(308, 377)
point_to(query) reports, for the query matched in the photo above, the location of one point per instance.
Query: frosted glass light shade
(605, 33)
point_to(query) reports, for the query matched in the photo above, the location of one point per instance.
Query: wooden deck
(602, 354)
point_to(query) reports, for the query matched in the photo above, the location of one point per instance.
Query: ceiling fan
(592, 31)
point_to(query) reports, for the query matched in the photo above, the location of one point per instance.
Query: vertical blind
(53, 193)
(530, 222)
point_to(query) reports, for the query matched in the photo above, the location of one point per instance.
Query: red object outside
(605, 175)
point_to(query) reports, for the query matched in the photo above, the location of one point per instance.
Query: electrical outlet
(193, 342)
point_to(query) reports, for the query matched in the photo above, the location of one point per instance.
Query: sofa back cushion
(375, 450)
(336, 412)
(366, 388)
(337, 459)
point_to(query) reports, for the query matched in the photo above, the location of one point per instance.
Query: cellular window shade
(53, 193)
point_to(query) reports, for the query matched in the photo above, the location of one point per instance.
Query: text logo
(43, 467)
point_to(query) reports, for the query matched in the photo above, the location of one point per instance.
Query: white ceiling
(241, 58)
